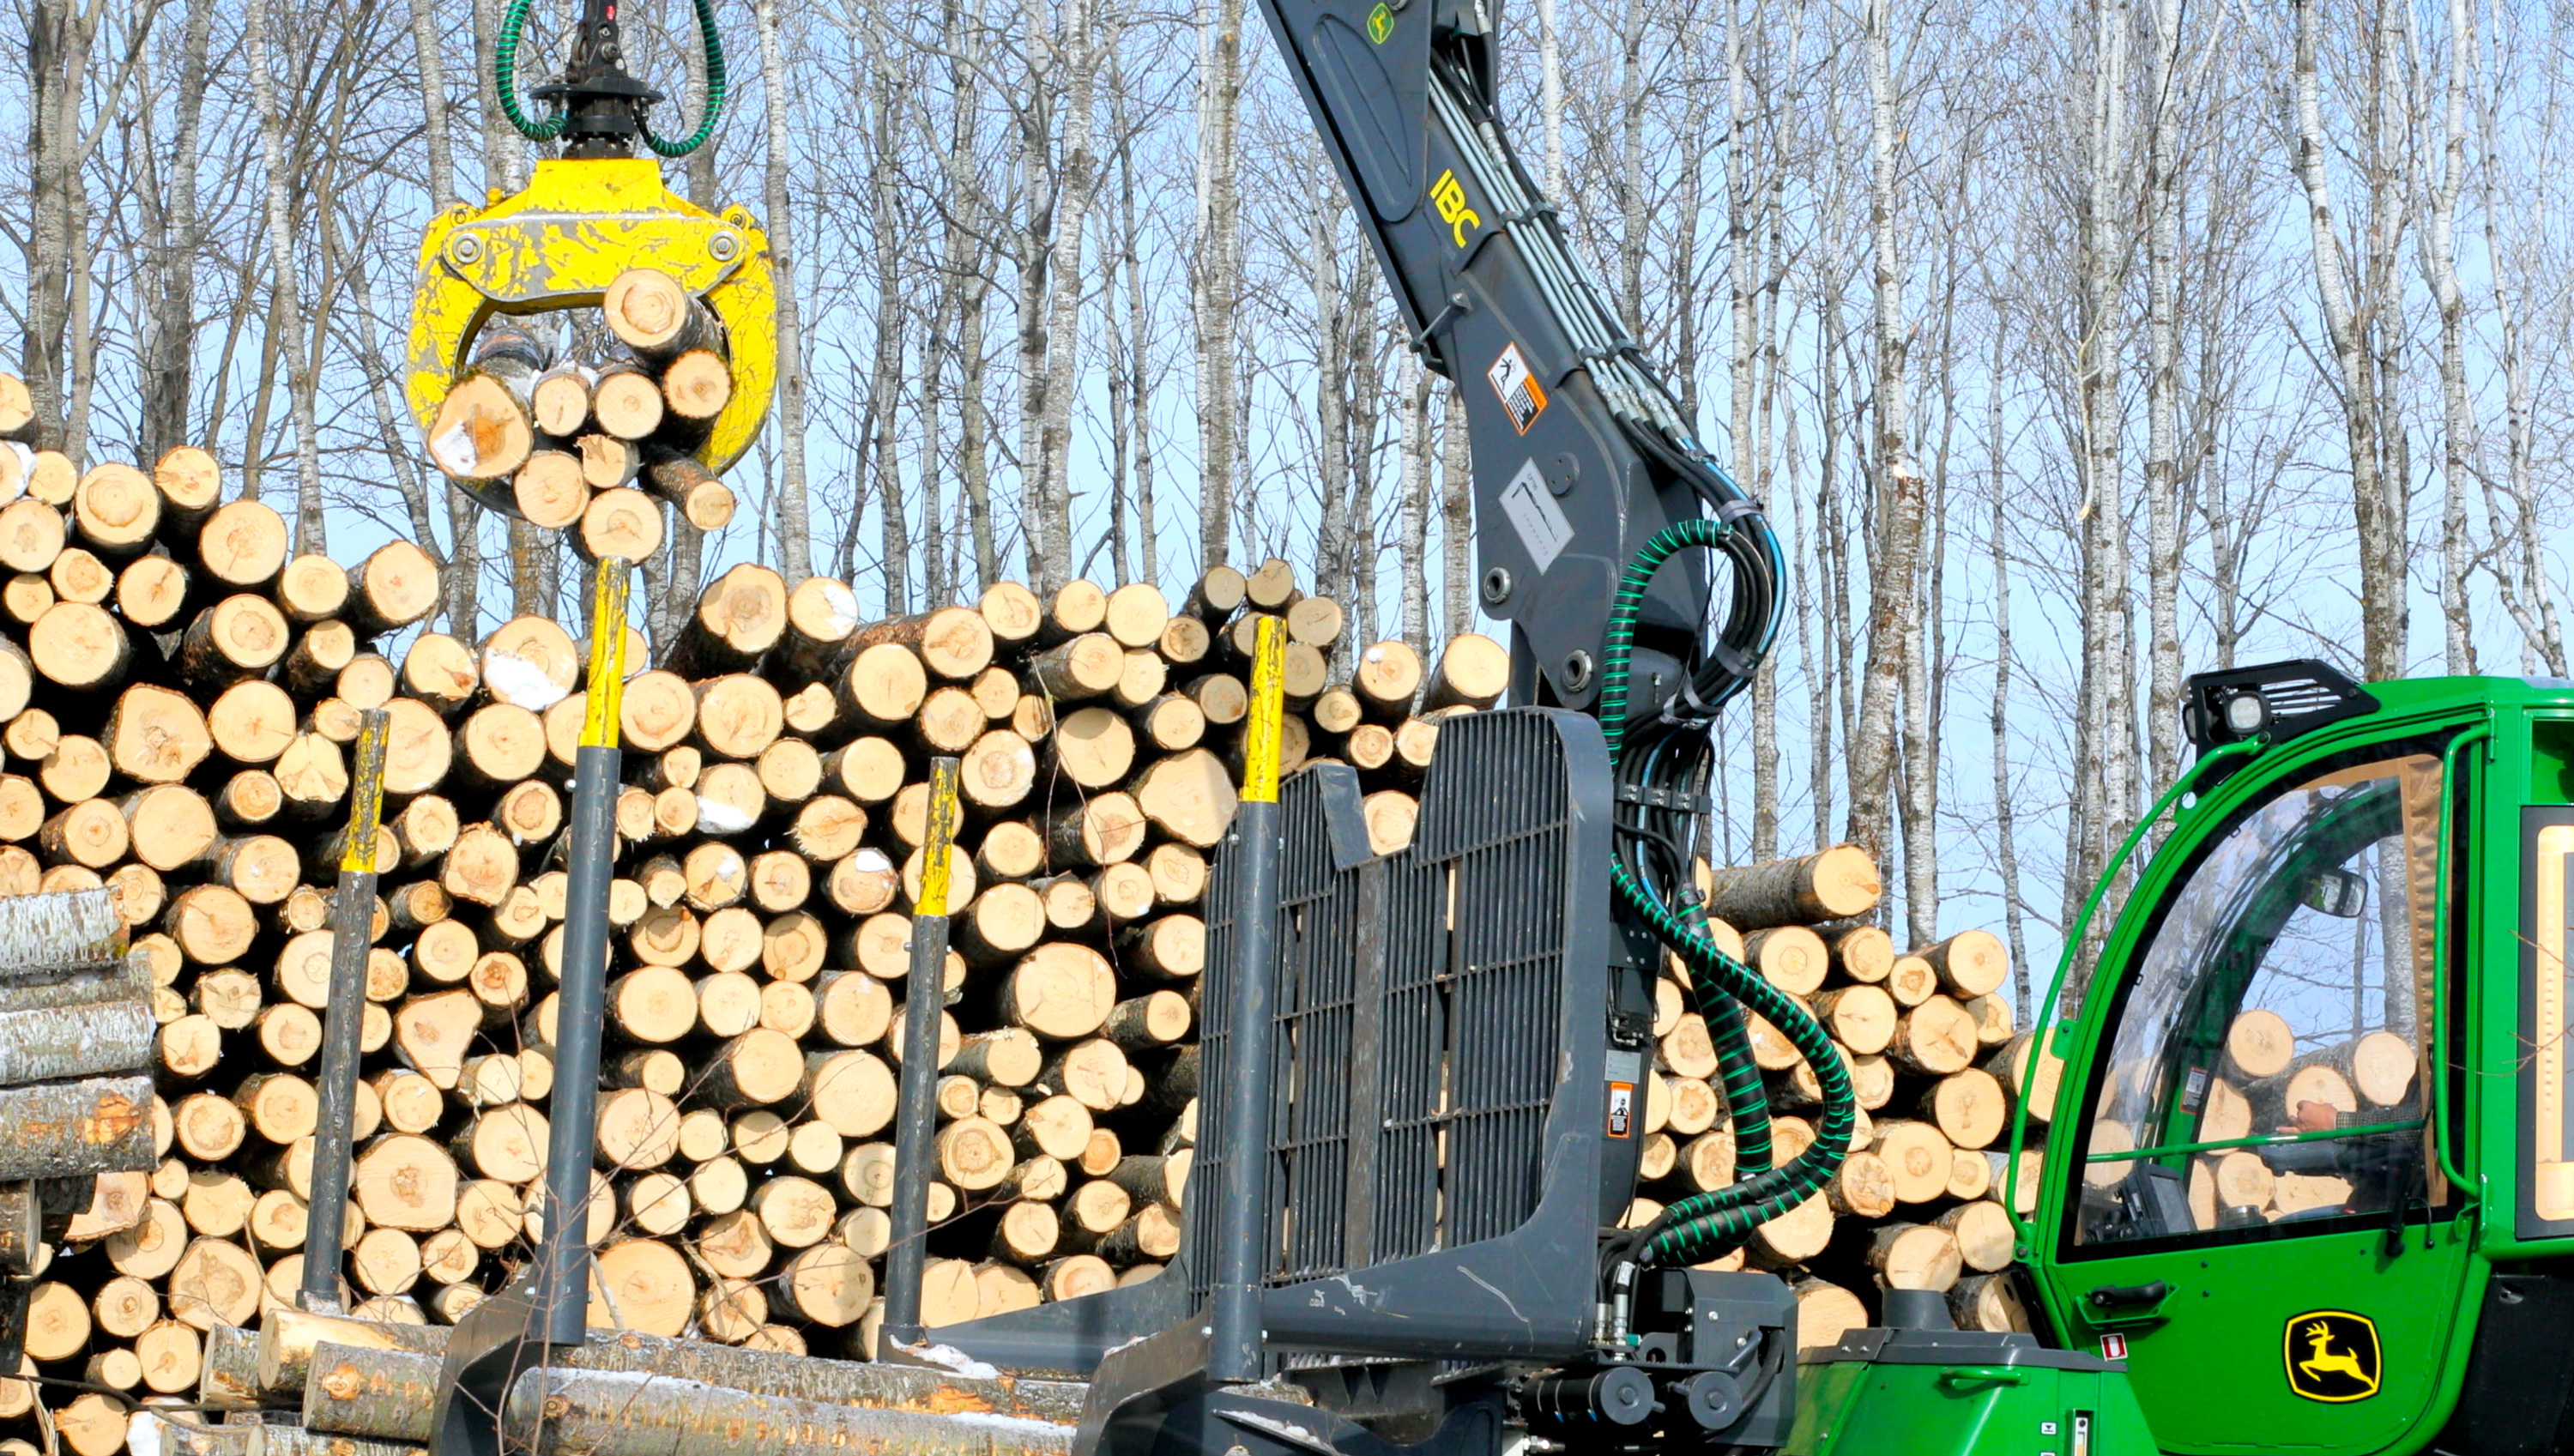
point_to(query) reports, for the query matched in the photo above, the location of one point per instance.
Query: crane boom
(1581, 453)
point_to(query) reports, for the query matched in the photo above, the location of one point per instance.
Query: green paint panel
(1847, 1408)
(2216, 1372)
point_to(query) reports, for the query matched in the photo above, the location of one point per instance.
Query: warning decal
(1622, 1110)
(1519, 389)
(1532, 511)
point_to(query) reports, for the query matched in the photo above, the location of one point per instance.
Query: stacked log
(1927, 1040)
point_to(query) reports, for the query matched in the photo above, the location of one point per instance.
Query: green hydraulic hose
(716, 88)
(1738, 1072)
(1707, 1224)
(504, 81)
(505, 77)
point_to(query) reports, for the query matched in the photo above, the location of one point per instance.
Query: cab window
(2266, 1069)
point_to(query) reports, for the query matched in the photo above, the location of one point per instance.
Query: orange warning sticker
(1520, 393)
(1622, 1110)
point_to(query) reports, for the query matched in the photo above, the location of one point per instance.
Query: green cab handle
(2115, 1306)
(1964, 1376)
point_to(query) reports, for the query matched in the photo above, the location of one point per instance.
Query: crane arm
(1581, 453)
(1641, 582)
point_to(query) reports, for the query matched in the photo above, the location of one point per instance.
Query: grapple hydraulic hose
(504, 81)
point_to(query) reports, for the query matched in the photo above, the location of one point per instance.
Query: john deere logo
(2332, 1356)
(1380, 24)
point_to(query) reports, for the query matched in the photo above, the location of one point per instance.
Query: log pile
(777, 750)
(2262, 1084)
(1927, 1037)
(179, 693)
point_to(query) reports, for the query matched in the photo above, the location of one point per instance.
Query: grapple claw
(559, 243)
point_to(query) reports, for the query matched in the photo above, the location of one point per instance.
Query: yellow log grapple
(558, 244)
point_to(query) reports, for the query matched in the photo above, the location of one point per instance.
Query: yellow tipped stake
(1265, 732)
(916, 1117)
(1242, 1012)
(353, 913)
(607, 655)
(580, 1005)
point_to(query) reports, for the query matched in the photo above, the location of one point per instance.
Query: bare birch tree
(792, 513)
(1218, 275)
(1900, 488)
(289, 321)
(2354, 375)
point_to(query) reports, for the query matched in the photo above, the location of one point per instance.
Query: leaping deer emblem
(2324, 1360)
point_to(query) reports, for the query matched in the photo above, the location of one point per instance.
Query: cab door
(2253, 1208)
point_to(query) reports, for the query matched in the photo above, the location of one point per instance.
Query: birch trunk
(2163, 392)
(1457, 520)
(884, 387)
(974, 446)
(1633, 215)
(793, 523)
(1331, 385)
(2006, 816)
(1076, 182)
(58, 45)
(1218, 272)
(1036, 194)
(2381, 609)
(2458, 420)
(2104, 765)
(1750, 466)
(429, 53)
(1367, 391)
(1139, 337)
(1413, 449)
(289, 320)
(1899, 487)
(505, 163)
(170, 340)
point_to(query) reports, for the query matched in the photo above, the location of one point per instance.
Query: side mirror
(2336, 893)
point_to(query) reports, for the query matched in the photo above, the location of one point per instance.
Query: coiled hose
(504, 80)
(1709, 1224)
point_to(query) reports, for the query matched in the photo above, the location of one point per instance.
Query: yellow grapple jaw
(558, 244)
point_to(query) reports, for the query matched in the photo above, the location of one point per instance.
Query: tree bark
(791, 512)
(169, 343)
(1900, 490)
(2458, 421)
(73, 1129)
(1218, 276)
(2381, 596)
(289, 322)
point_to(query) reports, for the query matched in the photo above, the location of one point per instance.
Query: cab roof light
(2282, 699)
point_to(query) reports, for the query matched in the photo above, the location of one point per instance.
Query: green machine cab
(2308, 1169)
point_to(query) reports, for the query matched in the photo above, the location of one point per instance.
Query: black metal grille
(1317, 1009)
(1415, 1061)
(1215, 1021)
(1420, 1013)
(1502, 825)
